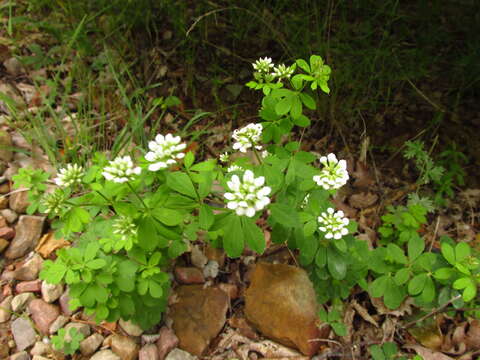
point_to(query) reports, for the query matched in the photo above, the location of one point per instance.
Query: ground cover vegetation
(175, 123)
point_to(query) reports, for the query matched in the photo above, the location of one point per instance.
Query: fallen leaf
(428, 354)
(364, 313)
(363, 200)
(48, 244)
(362, 176)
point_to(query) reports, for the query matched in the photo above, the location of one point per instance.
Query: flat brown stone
(43, 314)
(281, 304)
(198, 316)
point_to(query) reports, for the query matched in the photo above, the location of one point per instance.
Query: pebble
(22, 355)
(82, 328)
(6, 153)
(6, 309)
(64, 299)
(7, 233)
(38, 357)
(40, 348)
(51, 292)
(18, 200)
(27, 233)
(177, 354)
(57, 324)
(130, 328)
(89, 345)
(105, 355)
(9, 215)
(20, 301)
(3, 245)
(189, 275)
(43, 314)
(30, 269)
(167, 342)
(23, 333)
(29, 286)
(13, 66)
(148, 352)
(124, 347)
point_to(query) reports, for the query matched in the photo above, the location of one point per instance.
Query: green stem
(257, 155)
(194, 188)
(138, 196)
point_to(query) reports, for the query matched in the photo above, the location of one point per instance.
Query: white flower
(53, 201)
(247, 137)
(121, 170)
(333, 224)
(225, 157)
(281, 71)
(234, 168)
(305, 201)
(164, 151)
(263, 65)
(125, 227)
(69, 175)
(264, 154)
(248, 195)
(334, 174)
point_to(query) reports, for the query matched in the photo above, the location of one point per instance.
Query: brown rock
(9, 215)
(189, 275)
(363, 200)
(166, 342)
(3, 245)
(29, 286)
(3, 202)
(4, 188)
(18, 200)
(148, 352)
(30, 269)
(27, 233)
(6, 153)
(124, 347)
(215, 254)
(43, 314)
(198, 316)
(6, 309)
(23, 333)
(64, 299)
(3, 221)
(89, 345)
(7, 233)
(230, 289)
(281, 304)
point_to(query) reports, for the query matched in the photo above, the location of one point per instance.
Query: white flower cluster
(125, 227)
(334, 174)
(263, 65)
(248, 195)
(333, 224)
(121, 170)
(69, 175)
(247, 137)
(283, 72)
(234, 167)
(225, 157)
(53, 201)
(164, 151)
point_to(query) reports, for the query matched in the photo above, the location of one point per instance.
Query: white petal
(332, 158)
(328, 235)
(229, 196)
(250, 212)
(232, 205)
(259, 181)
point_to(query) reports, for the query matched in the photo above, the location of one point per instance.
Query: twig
(433, 312)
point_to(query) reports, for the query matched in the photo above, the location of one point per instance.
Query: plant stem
(194, 188)
(138, 196)
(257, 155)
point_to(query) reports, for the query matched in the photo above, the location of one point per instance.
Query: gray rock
(177, 354)
(148, 352)
(27, 233)
(40, 348)
(20, 301)
(30, 269)
(13, 66)
(81, 328)
(23, 333)
(130, 328)
(89, 345)
(18, 200)
(9, 215)
(22, 355)
(105, 355)
(6, 309)
(57, 324)
(6, 153)
(51, 292)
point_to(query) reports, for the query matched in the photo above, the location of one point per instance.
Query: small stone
(30, 269)
(124, 347)
(197, 257)
(20, 301)
(22, 355)
(27, 233)
(177, 354)
(130, 328)
(57, 324)
(189, 275)
(7, 233)
(105, 355)
(28, 286)
(89, 345)
(211, 269)
(4, 350)
(3, 202)
(215, 254)
(6, 309)
(9, 215)
(4, 188)
(6, 153)
(43, 314)
(230, 289)
(166, 342)
(18, 200)
(81, 328)
(40, 348)
(13, 66)
(51, 292)
(23, 333)
(38, 357)
(64, 299)
(148, 352)
(3, 245)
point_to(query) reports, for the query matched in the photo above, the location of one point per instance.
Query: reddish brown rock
(189, 275)
(7, 233)
(166, 342)
(281, 304)
(29, 286)
(198, 316)
(43, 314)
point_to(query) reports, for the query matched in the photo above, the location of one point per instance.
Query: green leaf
(469, 293)
(416, 285)
(448, 252)
(336, 263)
(310, 227)
(188, 160)
(303, 65)
(416, 245)
(177, 248)
(296, 109)
(379, 286)
(297, 81)
(205, 217)
(181, 183)
(301, 121)
(462, 283)
(394, 294)
(147, 233)
(208, 165)
(402, 276)
(443, 273)
(397, 253)
(284, 214)
(156, 289)
(96, 264)
(53, 272)
(168, 217)
(428, 293)
(321, 256)
(284, 105)
(233, 239)
(253, 235)
(376, 352)
(339, 328)
(462, 251)
(308, 101)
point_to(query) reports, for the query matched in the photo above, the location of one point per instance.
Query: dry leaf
(48, 244)
(473, 335)
(364, 313)
(363, 178)
(428, 354)
(405, 307)
(363, 200)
